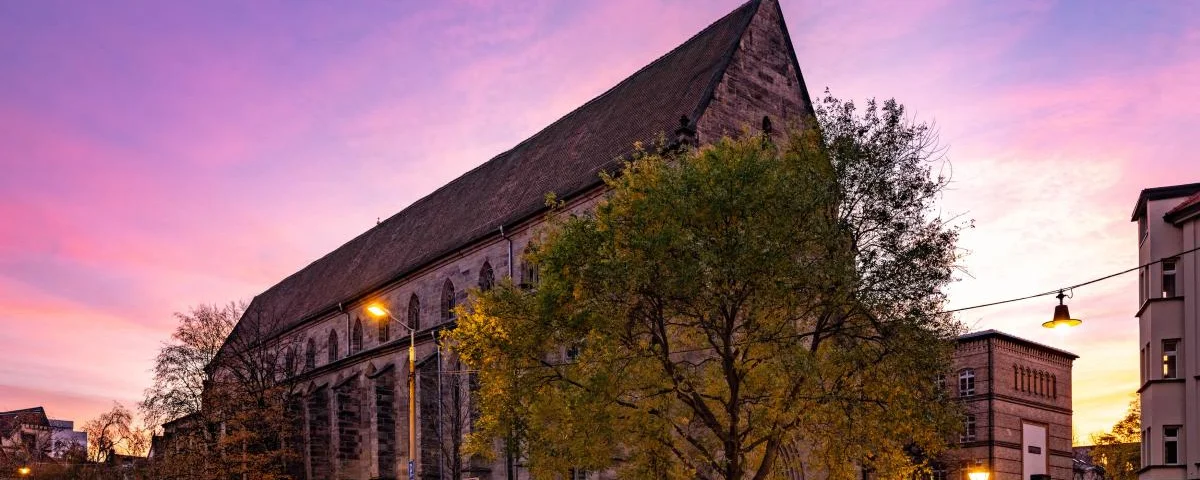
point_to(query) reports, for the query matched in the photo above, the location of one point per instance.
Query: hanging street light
(1062, 317)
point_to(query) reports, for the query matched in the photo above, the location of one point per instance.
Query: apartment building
(1168, 221)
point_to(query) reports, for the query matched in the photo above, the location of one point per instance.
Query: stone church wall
(761, 80)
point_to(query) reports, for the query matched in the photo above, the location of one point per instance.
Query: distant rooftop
(1015, 339)
(1160, 193)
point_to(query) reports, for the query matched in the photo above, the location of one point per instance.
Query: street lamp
(978, 474)
(23, 471)
(1062, 318)
(379, 311)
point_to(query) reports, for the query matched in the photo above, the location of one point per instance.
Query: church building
(741, 71)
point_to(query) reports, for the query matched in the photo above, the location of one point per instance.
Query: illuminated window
(1170, 348)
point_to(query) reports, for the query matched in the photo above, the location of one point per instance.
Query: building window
(487, 279)
(968, 434)
(332, 348)
(447, 300)
(577, 474)
(356, 337)
(940, 382)
(1144, 277)
(1171, 445)
(1142, 230)
(1146, 445)
(1169, 358)
(385, 329)
(289, 361)
(1168, 278)
(310, 355)
(966, 382)
(1144, 362)
(414, 313)
(529, 270)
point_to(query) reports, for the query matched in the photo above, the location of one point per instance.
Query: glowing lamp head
(24, 471)
(1062, 316)
(377, 310)
(978, 475)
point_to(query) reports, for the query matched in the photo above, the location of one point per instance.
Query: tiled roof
(565, 158)
(1189, 205)
(27, 416)
(1160, 193)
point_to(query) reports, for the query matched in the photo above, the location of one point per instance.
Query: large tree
(237, 390)
(114, 432)
(1119, 450)
(179, 368)
(736, 311)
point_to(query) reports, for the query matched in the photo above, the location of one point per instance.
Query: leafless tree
(247, 420)
(179, 373)
(115, 431)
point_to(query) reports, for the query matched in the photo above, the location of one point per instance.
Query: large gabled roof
(565, 158)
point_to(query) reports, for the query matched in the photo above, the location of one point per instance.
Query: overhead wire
(1073, 287)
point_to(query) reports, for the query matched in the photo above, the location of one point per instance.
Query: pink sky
(159, 155)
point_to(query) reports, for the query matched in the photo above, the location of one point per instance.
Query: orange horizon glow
(163, 155)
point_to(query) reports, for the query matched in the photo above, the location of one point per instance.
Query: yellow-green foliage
(723, 315)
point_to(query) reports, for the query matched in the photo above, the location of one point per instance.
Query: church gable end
(730, 74)
(762, 79)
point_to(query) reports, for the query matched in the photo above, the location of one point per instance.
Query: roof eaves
(1160, 193)
(992, 333)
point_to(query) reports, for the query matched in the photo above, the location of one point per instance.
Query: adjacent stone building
(739, 72)
(1168, 221)
(1017, 399)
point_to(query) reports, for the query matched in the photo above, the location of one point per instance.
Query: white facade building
(1168, 228)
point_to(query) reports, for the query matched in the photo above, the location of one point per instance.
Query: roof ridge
(704, 100)
(562, 157)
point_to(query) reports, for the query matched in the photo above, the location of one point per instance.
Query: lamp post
(378, 311)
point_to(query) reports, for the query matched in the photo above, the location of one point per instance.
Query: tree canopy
(754, 306)
(1119, 450)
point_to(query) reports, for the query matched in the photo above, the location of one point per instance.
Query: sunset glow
(159, 155)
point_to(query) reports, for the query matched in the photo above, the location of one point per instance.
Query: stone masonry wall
(760, 80)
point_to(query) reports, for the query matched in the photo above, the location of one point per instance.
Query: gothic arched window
(310, 355)
(487, 278)
(966, 382)
(385, 329)
(333, 346)
(356, 337)
(289, 361)
(414, 313)
(447, 300)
